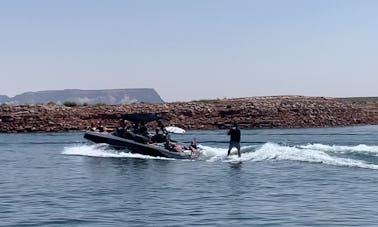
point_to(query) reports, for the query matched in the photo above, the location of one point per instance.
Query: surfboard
(232, 159)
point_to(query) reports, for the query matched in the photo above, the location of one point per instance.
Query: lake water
(296, 177)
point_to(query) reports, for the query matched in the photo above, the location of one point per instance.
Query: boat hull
(132, 146)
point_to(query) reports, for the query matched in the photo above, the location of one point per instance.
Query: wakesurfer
(234, 134)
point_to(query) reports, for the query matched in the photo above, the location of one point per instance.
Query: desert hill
(110, 96)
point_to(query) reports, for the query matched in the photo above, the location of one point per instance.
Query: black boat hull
(132, 146)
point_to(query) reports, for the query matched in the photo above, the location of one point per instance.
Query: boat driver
(158, 137)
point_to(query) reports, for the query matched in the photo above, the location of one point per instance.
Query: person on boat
(121, 129)
(162, 127)
(193, 144)
(100, 127)
(165, 132)
(172, 146)
(136, 128)
(168, 145)
(193, 147)
(158, 137)
(234, 134)
(144, 131)
(129, 134)
(142, 135)
(93, 127)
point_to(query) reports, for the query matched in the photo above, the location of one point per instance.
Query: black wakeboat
(134, 144)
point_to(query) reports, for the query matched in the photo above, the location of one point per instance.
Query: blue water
(296, 177)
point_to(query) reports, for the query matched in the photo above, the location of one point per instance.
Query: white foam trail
(361, 149)
(277, 152)
(271, 151)
(212, 154)
(312, 153)
(99, 150)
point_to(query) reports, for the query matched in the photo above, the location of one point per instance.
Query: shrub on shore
(207, 100)
(70, 104)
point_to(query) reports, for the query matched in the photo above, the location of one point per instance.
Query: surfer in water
(234, 134)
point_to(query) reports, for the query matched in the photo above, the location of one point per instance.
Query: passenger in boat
(193, 145)
(162, 127)
(171, 146)
(144, 131)
(121, 129)
(129, 133)
(136, 128)
(141, 135)
(93, 127)
(100, 127)
(158, 137)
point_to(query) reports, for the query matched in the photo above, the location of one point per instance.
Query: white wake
(311, 153)
(103, 151)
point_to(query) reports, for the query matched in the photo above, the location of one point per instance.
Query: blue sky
(191, 49)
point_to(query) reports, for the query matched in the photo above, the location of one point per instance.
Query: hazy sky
(191, 49)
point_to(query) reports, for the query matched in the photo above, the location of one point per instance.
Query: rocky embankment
(256, 112)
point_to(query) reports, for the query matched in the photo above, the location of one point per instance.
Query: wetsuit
(234, 138)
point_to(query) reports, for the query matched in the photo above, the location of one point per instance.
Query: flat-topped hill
(255, 112)
(109, 96)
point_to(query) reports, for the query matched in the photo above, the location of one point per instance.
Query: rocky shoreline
(251, 113)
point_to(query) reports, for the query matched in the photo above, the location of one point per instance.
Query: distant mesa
(4, 99)
(108, 96)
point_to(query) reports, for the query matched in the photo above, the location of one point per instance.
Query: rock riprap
(255, 112)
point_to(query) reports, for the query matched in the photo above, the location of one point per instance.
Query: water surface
(296, 177)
